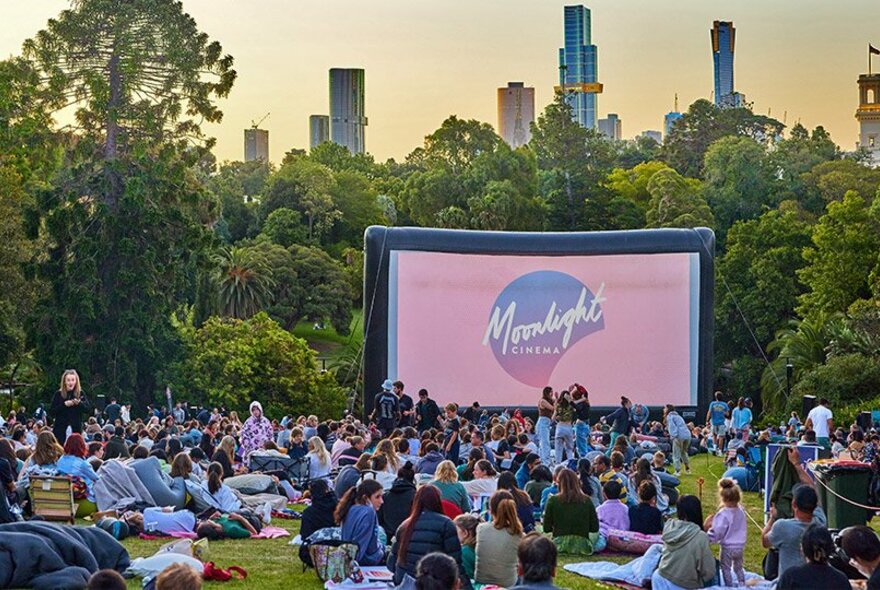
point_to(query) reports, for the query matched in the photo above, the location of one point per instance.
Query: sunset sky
(427, 60)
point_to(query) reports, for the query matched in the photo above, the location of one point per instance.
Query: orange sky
(426, 60)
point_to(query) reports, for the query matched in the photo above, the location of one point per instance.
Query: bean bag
(252, 483)
(165, 490)
(746, 478)
(149, 567)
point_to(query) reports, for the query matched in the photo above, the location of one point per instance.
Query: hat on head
(387, 385)
(257, 405)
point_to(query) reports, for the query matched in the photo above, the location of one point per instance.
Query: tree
(830, 181)
(358, 205)
(845, 244)
(307, 285)
(676, 202)
(703, 124)
(759, 268)
(239, 186)
(575, 162)
(303, 185)
(738, 182)
(126, 223)
(457, 143)
(632, 184)
(244, 282)
(284, 227)
(230, 362)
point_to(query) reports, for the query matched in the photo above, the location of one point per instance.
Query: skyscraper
(319, 130)
(668, 121)
(578, 77)
(611, 127)
(256, 144)
(723, 43)
(516, 112)
(347, 118)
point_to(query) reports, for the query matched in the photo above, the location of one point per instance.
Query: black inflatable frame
(379, 241)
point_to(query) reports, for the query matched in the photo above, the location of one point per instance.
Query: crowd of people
(498, 494)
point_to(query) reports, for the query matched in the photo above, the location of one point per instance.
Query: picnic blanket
(45, 555)
(118, 486)
(268, 532)
(639, 570)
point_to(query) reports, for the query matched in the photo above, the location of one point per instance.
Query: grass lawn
(273, 564)
(328, 338)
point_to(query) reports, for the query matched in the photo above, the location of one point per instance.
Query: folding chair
(52, 498)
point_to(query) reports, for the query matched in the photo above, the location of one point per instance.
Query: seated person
(73, 463)
(297, 447)
(216, 493)
(645, 517)
(817, 547)
(613, 513)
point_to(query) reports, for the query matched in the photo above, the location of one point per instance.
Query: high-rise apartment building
(652, 134)
(347, 119)
(668, 121)
(516, 113)
(256, 144)
(723, 36)
(611, 127)
(578, 68)
(319, 130)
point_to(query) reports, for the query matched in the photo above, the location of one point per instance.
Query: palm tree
(804, 344)
(244, 282)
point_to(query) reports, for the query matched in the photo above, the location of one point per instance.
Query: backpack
(386, 406)
(334, 563)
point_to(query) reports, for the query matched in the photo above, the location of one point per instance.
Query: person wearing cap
(256, 431)
(386, 409)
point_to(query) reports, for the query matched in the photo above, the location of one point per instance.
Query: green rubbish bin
(851, 482)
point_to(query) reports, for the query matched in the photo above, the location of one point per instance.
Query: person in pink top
(728, 528)
(613, 514)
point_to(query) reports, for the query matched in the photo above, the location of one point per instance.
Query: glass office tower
(347, 119)
(578, 76)
(723, 41)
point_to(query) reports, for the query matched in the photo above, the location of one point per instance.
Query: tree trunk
(111, 147)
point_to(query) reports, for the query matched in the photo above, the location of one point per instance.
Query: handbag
(334, 563)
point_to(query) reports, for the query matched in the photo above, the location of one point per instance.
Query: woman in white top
(218, 494)
(485, 481)
(319, 459)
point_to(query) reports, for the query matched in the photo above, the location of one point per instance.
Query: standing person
(179, 414)
(497, 542)
(68, 406)
(717, 418)
(621, 419)
(820, 420)
(728, 528)
(680, 436)
(426, 530)
(564, 437)
(405, 405)
(257, 430)
(125, 414)
(546, 407)
(386, 409)
(451, 428)
(741, 418)
(818, 548)
(686, 560)
(113, 411)
(580, 400)
(427, 412)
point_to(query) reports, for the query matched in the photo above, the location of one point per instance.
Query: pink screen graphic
(497, 328)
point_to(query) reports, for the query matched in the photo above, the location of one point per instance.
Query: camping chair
(298, 471)
(52, 498)
(875, 418)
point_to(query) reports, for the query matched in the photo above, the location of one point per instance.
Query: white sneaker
(265, 513)
(677, 474)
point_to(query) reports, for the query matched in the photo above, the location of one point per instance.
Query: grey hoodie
(687, 559)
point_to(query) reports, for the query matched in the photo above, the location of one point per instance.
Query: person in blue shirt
(356, 514)
(717, 417)
(73, 463)
(741, 418)
(523, 474)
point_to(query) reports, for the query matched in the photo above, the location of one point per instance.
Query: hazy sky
(426, 60)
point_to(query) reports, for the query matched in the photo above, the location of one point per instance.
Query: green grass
(273, 564)
(329, 338)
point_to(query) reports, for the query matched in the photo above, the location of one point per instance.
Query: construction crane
(260, 122)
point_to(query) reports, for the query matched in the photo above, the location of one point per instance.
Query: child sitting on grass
(612, 513)
(728, 528)
(645, 517)
(466, 527)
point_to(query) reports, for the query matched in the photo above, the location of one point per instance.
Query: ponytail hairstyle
(502, 506)
(427, 499)
(215, 477)
(468, 524)
(624, 400)
(817, 545)
(507, 482)
(585, 471)
(358, 495)
(436, 571)
(729, 492)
